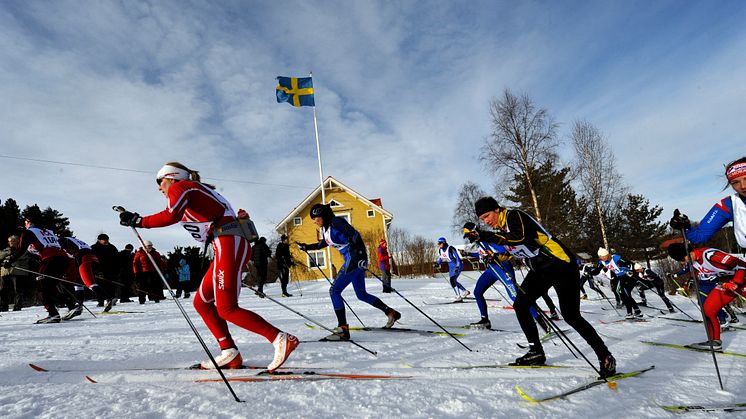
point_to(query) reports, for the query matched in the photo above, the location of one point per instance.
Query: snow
(156, 335)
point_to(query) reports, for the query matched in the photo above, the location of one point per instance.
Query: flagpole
(327, 253)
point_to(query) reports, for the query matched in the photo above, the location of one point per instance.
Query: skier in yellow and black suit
(550, 264)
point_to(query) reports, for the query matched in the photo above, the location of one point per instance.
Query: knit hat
(677, 251)
(602, 252)
(102, 236)
(637, 266)
(468, 228)
(485, 204)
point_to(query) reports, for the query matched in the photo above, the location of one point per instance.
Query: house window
(334, 204)
(297, 221)
(316, 258)
(346, 216)
(371, 213)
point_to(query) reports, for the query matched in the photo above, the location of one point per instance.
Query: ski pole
(181, 308)
(61, 280)
(608, 300)
(374, 353)
(332, 284)
(418, 309)
(701, 308)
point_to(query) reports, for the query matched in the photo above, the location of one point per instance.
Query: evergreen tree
(50, 219)
(11, 222)
(562, 211)
(640, 233)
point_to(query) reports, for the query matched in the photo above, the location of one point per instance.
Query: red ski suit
(713, 264)
(200, 209)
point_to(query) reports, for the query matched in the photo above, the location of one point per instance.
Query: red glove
(731, 286)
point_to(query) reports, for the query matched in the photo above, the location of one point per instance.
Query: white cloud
(402, 95)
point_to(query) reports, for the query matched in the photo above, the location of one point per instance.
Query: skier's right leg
(530, 290)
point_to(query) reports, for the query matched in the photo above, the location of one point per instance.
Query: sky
(402, 90)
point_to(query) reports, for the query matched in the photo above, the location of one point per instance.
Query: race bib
(198, 230)
(522, 252)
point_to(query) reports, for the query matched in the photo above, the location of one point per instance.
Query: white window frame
(345, 215)
(370, 213)
(335, 204)
(297, 221)
(316, 254)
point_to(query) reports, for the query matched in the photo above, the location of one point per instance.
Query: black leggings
(565, 279)
(626, 285)
(55, 266)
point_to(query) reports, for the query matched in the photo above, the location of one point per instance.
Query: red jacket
(141, 262)
(384, 260)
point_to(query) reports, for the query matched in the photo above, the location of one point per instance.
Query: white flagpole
(327, 253)
(318, 148)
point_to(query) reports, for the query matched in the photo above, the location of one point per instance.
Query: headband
(172, 172)
(735, 171)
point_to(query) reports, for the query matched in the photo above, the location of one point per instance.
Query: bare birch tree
(599, 180)
(469, 193)
(522, 138)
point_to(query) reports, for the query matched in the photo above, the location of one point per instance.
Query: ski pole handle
(118, 208)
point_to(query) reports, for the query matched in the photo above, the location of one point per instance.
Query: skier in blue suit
(449, 254)
(338, 233)
(497, 260)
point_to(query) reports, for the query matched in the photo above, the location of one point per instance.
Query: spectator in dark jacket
(148, 281)
(260, 255)
(108, 259)
(126, 273)
(284, 262)
(14, 282)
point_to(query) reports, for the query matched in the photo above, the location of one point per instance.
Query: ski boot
(108, 304)
(717, 345)
(49, 319)
(638, 314)
(483, 323)
(227, 360)
(671, 310)
(77, 311)
(534, 356)
(284, 344)
(339, 333)
(619, 305)
(607, 366)
(584, 297)
(393, 316)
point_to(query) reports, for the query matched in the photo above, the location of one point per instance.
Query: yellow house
(367, 216)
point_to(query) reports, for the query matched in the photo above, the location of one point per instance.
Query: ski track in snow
(157, 336)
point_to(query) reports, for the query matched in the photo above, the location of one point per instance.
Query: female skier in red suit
(208, 217)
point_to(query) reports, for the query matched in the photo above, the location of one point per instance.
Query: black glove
(436, 266)
(302, 246)
(7, 264)
(130, 219)
(679, 221)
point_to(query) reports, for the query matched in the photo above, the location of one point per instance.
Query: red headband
(735, 171)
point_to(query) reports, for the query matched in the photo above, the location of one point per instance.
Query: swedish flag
(297, 91)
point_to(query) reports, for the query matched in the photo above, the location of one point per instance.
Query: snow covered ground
(156, 335)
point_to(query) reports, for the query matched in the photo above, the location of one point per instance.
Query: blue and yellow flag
(297, 91)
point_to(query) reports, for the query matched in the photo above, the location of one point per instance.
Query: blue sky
(402, 94)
